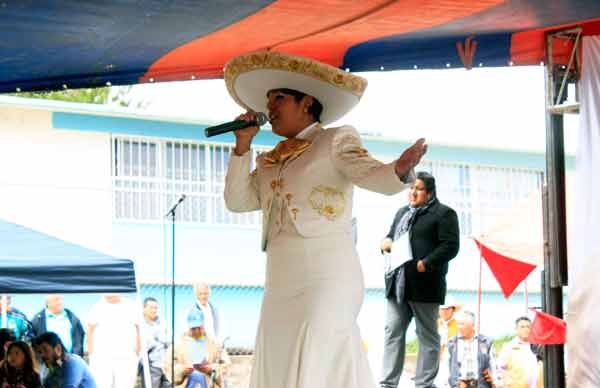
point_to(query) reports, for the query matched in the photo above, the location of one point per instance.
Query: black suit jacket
(434, 238)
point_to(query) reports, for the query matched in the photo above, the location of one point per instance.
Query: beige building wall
(55, 181)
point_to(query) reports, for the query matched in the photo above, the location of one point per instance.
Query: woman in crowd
(18, 370)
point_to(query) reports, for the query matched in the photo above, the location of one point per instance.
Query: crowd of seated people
(53, 350)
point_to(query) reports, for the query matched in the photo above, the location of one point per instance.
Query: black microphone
(231, 126)
(172, 210)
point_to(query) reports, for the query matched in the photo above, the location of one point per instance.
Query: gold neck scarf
(286, 151)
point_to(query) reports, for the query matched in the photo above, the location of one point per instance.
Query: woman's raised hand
(244, 136)
(410, 158)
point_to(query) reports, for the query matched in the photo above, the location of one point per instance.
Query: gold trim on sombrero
(286, 62)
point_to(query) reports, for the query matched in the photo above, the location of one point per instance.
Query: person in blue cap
(199, 363)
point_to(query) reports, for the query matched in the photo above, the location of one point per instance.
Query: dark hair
(30, 366)
(523, 318)
(428, 181)
(6, 335)
(150, 299)
(315, 109)
(51, 339)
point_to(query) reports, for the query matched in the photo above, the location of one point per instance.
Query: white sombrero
(250, 76)
(451, 302)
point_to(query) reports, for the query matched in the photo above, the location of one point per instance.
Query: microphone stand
(172, 215)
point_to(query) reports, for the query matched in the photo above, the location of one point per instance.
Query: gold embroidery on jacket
(295, 212)
(329, 202)
(277, 183)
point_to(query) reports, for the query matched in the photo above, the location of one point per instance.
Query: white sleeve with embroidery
(241, 188)
(355, 162)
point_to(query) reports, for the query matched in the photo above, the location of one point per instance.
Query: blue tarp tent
(33, 262)
(74, 44)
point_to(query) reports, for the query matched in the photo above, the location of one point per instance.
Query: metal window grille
(150, 174)
(480, 194)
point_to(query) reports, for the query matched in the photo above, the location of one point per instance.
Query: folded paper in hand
(400, 254)
(197, 353)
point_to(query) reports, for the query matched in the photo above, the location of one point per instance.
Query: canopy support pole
(526, 296)
(555, 231)
(147, 380)
(479, 293)
(4, 318)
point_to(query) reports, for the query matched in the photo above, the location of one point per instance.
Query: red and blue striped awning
(84, 43)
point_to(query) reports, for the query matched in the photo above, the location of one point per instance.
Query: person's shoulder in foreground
(76, 373)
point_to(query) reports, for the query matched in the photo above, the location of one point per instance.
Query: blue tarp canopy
(33, 262)
(63, 44)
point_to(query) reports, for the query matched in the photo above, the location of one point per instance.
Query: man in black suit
(417, 287)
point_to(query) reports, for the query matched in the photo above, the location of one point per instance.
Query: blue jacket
(17, 321)
(74, 373)
(77, 333)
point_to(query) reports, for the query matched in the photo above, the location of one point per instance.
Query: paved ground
(240, 372)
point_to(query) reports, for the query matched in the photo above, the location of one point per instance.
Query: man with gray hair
(62, 321)
(472, 360)
(214, 324)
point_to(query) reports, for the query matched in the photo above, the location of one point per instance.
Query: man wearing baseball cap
(198, 360)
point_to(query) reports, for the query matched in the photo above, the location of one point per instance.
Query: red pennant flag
(508, 272)
(547, 329)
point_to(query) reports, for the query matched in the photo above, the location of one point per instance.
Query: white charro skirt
(308, 336)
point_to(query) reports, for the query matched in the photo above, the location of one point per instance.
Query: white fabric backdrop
(583, 330)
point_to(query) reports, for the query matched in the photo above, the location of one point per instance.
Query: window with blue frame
(481, 194)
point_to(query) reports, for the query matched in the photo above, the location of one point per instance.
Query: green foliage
(115, 96)
(88, 96)
(499, 341)
(413, 346)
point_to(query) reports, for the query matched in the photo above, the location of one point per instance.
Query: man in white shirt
(114, 342)
(517, 362)
(213, 319)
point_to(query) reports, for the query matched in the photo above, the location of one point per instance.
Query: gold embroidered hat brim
(250, 76)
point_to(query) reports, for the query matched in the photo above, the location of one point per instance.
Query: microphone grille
(261, 118)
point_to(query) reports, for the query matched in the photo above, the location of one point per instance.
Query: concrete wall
(58, 182)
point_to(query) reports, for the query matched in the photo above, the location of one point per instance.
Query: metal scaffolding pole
(555, 274)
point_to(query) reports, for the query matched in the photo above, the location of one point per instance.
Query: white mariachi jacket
(316, 187)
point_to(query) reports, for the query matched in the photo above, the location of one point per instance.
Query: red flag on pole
(508, 272)
(547, 329)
